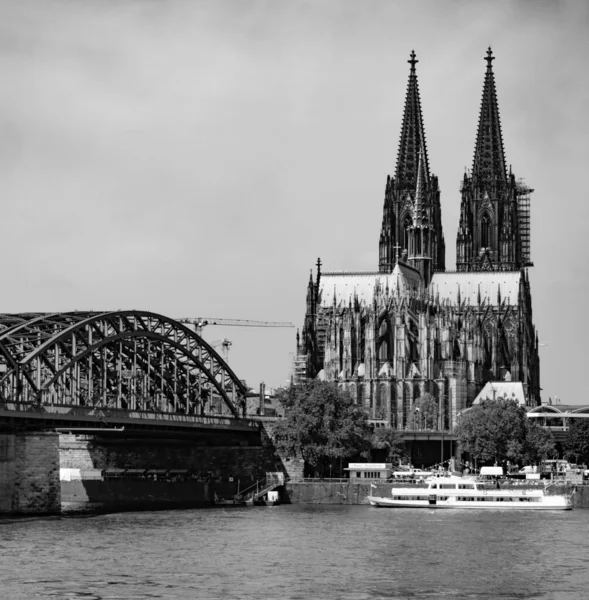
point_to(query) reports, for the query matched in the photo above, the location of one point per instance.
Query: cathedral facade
(410, 327)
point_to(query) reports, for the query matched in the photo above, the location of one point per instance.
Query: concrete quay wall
(325, 492)
(581, 497)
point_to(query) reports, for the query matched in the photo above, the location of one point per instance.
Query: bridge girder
(127, 360)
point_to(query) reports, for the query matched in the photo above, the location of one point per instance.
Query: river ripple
(297, 552)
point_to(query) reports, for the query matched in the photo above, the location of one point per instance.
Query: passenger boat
(459, 492)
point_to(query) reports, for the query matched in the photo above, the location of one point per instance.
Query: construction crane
(201, 322)
(225, 345)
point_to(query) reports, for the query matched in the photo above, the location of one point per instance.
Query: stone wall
(87, 452)
(7, 471)
(292, 467)
(324, 492)
(29, 473)
(96, 495)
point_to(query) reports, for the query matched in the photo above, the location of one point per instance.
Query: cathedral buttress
(400, 193)
(493, 233)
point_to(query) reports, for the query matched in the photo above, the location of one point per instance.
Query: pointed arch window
(406, 225)
(485, 231)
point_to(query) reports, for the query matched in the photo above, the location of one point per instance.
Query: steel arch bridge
(127, 360)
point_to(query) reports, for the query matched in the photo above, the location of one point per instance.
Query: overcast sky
(195, 158)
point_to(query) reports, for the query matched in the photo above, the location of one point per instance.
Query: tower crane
(201, 322)
(225, 345)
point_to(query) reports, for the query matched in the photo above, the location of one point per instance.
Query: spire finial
(412, 61)
(489, 58)
(397, 248)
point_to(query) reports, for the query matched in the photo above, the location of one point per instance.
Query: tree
(390, 440)
(499, 430)
(539, 443)
(321, 423)
(425, 413)
(576, 443)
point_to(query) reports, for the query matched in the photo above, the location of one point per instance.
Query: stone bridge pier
(118, 469)
(29, 473)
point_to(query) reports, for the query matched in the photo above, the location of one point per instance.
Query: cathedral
(410, 328)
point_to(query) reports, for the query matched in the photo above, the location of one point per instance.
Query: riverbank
(115, 495)
(345, 492)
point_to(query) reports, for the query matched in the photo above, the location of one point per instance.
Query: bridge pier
(29, 473)
(124, 470)
(91, 468)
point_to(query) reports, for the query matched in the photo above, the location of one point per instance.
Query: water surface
(298, 552)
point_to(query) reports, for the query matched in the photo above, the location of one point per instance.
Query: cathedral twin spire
(490, 234)
(489, 156)
(493, 233)
(412, 140)
(411, 226)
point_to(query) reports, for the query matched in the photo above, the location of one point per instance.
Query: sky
(195, 158)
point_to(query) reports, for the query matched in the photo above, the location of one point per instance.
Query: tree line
(324, 426)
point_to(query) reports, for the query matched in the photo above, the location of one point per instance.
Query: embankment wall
(86, 452)
(213, 470)
(136, 494)
(325, 492)
(29, 473)
(581, 497)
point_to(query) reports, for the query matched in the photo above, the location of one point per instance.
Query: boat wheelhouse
(462, 492)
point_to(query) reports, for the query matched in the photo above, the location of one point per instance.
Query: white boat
(460, 492)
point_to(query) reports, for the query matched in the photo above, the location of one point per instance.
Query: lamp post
(442, 429)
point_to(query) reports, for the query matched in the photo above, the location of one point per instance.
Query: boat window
(466, 486)
(447, 486)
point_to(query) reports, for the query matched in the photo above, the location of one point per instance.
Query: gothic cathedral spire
(412, 190)
(489, 158)
(493, 233)
(412, 138)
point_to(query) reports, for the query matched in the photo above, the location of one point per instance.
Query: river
(297, 552)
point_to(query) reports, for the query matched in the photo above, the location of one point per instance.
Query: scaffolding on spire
(523, 216)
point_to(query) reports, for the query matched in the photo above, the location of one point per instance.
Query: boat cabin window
(466, 486)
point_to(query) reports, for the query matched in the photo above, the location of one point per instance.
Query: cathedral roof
(510, 390)
(345, 286)
(489, 156)
(491, 285)
(412, 138)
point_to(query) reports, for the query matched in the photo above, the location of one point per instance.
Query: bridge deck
(21, 415)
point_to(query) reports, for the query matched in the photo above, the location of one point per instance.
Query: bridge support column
(29, 473)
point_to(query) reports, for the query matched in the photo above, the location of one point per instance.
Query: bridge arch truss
(127, 360)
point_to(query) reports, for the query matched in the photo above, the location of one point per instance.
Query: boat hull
(544, 503)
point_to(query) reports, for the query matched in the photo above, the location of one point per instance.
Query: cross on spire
(413, 61)
(489, 58)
